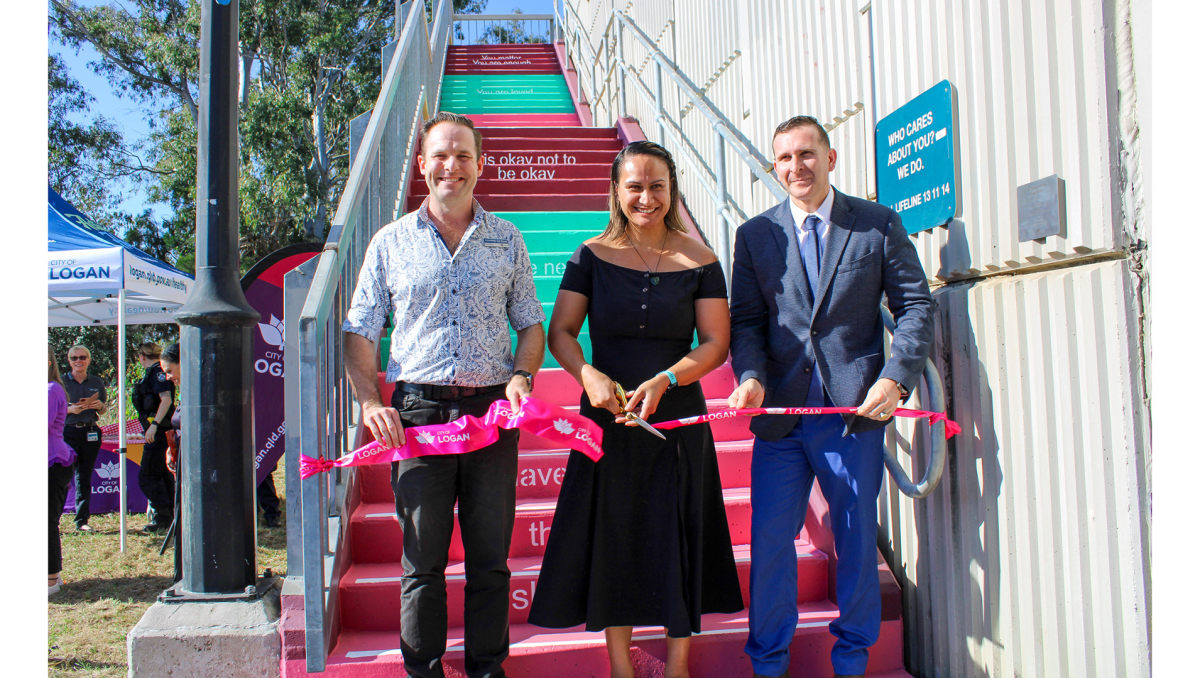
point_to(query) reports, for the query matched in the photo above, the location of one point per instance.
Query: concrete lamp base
(229, 639)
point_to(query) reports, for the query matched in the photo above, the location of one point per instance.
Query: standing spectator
(457, 278)
(169, 362)
(268, 499)
(61, 459)
(87, 397)
(154, 399)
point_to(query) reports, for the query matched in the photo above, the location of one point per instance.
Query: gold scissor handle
(622, 398)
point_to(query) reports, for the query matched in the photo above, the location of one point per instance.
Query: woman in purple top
(62, 458)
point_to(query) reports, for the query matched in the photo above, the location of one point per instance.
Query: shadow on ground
(129, 589)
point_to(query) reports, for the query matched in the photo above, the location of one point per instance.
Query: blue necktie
(810, 254)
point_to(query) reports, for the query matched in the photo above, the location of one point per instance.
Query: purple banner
(106, 482)
(263, 287)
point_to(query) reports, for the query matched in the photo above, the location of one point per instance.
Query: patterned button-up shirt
(452, 312)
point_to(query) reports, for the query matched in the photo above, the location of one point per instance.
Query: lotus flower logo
(424, 439)
(272, 332)
(109, 470)
(563, 426)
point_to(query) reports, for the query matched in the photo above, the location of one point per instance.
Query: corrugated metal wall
(1034, 99)
(1031, 558)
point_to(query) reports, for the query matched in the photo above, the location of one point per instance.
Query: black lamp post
(215, 341)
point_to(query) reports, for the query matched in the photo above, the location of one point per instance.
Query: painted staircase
(550, 178)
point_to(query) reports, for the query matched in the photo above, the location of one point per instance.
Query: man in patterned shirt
(456, 277)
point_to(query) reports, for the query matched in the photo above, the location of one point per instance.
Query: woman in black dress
(640, 538)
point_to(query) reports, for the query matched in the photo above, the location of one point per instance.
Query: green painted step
(526, 93)
(557, 221)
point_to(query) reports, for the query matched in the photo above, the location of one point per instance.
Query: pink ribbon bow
(470, 433)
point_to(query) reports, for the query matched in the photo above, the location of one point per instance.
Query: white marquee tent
(98, 279)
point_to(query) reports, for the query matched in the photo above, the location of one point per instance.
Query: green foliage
(84, 160)
(307, 68)
(101, 341)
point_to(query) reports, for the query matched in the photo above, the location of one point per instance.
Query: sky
(130, 115)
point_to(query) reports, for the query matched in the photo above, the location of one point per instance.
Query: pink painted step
(376, 536)
(718, 652)
(485, 121)
(540, 472)
(370, 592)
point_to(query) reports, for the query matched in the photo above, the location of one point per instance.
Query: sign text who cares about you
(916, 161)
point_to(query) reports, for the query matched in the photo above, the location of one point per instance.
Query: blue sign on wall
(916, 159)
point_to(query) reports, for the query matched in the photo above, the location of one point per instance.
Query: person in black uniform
(87, 399)
(640, 537)
(154, 399)
(169, 363)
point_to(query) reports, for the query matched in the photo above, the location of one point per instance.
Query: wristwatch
(903, 392)
(525, 374)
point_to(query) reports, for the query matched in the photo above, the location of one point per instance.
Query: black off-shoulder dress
(640, 538)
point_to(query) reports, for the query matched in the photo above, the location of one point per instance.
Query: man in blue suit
(807, 331)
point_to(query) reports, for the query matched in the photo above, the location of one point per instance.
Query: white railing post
(659, 115)
(722, 203)
(622, 111)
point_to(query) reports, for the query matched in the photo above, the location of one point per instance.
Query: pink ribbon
(952, 428)
(470, 433)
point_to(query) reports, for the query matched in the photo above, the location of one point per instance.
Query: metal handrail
(712, 175)
(937, 432)
(376, 188)
(505, 20)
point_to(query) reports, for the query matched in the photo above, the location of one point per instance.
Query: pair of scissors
(621, 397)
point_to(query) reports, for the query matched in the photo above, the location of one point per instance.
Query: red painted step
(485, 121)
(532, 203)
(531, 156)
(549, 146)
(370, 592)
(540, 472)
(377, 538)
(540, 181)
(535, 652)
(551, 132)
(527, 172)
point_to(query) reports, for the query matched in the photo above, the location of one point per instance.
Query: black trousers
(156, 480)
(60, 480)
(268, 496)
(484, 484)
(85, 462)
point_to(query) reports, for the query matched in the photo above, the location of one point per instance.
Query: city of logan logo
(272, 332)
(108, 471)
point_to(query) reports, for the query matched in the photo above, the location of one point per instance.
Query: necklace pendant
(654, 280)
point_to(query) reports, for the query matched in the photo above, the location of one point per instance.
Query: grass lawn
(105, 592)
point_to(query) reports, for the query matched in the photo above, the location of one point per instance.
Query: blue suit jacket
(778, 338)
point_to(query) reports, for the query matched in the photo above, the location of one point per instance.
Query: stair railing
(610, 61)
(374, 196)
(510, 29)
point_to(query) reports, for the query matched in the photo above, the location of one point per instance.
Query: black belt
(81, 425)
(443, 392)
